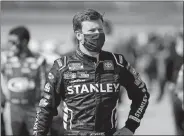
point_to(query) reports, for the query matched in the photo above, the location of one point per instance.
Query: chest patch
(108, 65)
(74, 66)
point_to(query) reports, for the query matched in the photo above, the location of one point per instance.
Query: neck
(23, 54)
(89, 53)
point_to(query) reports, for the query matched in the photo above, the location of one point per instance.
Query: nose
(97, 31)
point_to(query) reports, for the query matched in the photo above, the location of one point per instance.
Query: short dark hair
(21, 31)
(88, 14)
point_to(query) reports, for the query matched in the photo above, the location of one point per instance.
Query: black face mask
(94, 42)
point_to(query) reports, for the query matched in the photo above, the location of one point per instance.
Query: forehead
(91, 24)
(13, 37)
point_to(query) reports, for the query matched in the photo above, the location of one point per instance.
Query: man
(25, 76)
(88, 82)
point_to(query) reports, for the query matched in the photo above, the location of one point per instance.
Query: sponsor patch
(143, 90)
(47, 96)
(31, 60)
(116, 77)
(26, 64)
(59, 62)
(137, 81)
(128, 66)
(90, 88)
(120, 59)
(14, 59)
(34, 66)
(142, 106)
(108, 65)
(43, 103)
(70, 75)
(25, 70)
(9, 71)
(134, 118)
(77, 81)
(132, 70)
(16, 64)
(47, 87)
(82, 75)
(75, 66)
(50, 76)
(142, 85)
(20, 84)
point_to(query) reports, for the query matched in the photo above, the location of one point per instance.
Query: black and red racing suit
(25, 79)
(90, 90)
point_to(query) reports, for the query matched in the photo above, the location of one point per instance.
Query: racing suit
(89, 89)
(25, 77)
(56, 126)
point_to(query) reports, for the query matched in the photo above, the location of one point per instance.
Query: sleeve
(136, 90)
(49, 102)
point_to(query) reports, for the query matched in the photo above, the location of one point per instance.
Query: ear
(79, 35)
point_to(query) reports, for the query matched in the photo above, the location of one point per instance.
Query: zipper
(96, 82)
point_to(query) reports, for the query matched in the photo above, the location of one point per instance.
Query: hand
(123, 131)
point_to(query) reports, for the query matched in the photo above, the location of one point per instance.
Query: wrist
(131, 125)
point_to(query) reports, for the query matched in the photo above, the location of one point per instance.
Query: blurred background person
(25, 76)
(111, 39)
(48, 51)
(178, 103)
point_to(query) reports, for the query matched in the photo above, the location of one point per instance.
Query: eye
(13, 42)
(92, 30)
(100, 30)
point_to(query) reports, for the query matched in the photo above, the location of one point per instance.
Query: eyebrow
(96, 28)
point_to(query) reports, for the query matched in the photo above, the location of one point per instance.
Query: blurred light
(179, 46)
(142, 38)
(34, 46)
(49, 46)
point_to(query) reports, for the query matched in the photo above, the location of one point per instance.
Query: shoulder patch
(61, 62)
(119, 59)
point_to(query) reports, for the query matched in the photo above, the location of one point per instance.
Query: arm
(137, 92)
(48, 104)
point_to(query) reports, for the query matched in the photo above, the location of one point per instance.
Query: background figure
(25, 76)
(178, 105)
(48, 51)
(110, 37)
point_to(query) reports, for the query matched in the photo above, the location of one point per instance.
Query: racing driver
(88, 83)
(24, 73)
